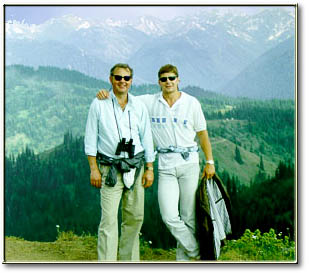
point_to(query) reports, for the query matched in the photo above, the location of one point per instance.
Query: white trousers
(177, 194)
(132, 219)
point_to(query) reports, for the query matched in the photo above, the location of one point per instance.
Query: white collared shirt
(102, 134)
(176, 126)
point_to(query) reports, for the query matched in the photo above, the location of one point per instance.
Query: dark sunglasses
(118, 78)
(164, 79)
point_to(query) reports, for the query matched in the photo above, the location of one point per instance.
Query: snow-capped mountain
(209, 48)
(151, 26)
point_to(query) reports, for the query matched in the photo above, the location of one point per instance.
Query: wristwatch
(149, 168)
(211, 162)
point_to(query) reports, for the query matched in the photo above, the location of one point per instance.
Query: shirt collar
(130, 98)
(179, 101)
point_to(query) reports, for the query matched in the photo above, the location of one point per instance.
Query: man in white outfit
(176, 118)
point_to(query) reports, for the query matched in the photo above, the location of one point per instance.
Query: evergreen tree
(53, 188)
(262, 148)
(238, 155)
(261, 165)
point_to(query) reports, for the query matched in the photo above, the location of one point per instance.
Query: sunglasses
(171, 78)
(118, 78)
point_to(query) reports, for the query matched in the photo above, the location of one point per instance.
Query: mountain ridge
(276, 75)
(209, 49)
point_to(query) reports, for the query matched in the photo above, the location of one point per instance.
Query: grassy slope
(224, 153)
(70, 248)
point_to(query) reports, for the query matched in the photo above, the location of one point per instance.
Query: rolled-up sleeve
(91, 134)
(146, 135)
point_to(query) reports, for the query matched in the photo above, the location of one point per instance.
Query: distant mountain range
(210, 49)
(270, 76)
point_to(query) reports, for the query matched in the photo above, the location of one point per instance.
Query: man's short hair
(168, 68)
(121, 65)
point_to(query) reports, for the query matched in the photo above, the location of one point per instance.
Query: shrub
(255, 246)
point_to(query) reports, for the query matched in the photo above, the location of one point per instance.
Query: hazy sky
(39, 14)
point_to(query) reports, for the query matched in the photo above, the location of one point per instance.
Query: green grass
(224, 153)
(251, 247)
(68, 247)
(255, 246)
(72, 248)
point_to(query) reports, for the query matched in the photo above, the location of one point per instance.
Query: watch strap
(211, 162)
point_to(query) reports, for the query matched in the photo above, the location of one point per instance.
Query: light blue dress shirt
(102, 134)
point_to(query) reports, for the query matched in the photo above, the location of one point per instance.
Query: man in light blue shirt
(118, 136)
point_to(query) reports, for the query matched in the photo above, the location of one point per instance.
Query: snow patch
(85, 25)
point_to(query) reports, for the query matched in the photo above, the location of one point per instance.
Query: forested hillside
(51, 192)
(40, 105)
(47, 174)
(43, 104)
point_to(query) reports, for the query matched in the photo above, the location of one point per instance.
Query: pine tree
(238, 156)
(261, 165)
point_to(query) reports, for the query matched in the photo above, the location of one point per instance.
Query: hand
(103, 94)
(209, 171)
(95, 178)
(147, 179)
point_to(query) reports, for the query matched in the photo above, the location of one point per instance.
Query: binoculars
(124, 146)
